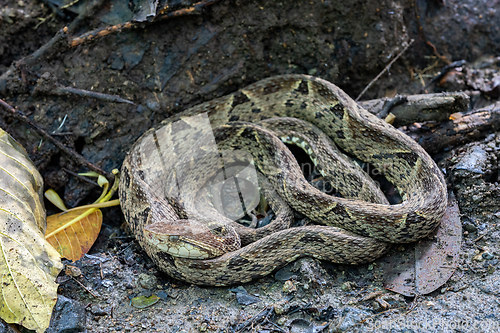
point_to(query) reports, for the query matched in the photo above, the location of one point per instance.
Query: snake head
(191, 238)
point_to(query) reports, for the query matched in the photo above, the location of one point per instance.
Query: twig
(46, 86)
(45, 19)
(262, 315)
(436, 53)
(83, 286)
(397, 100)
(478, 239)
(193, 10)
(93, 94)
(413, 305)
(124, 249)
(63, 133)
(85, 179)
(371, 317)
(446, 69)
(101, 260)
(384, 70)
(276, 327)
(101, 32)
(79, 158)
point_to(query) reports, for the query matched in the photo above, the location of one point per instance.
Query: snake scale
(355, 228)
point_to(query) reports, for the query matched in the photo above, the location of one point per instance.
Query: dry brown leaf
(77, 239)
(429, 263)
(28, 263)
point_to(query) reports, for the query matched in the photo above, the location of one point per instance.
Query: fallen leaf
(429, 263)
(141, 302)
(77, 239)
(28, 263)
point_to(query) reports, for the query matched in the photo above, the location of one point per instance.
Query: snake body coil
(354, 230)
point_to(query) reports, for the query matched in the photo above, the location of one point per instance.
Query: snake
(173, 172)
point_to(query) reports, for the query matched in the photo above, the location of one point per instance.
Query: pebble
(107, 283)
(488, 256)
(163, 295)
(246, 299)
(289, 287)
(281, 307)
(285, 273)
(147, 281)
(470, 227)
(493, 262)
(348, 286)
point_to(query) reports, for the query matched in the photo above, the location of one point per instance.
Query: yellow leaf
(28, 263)
(53, 197)
(77, 239)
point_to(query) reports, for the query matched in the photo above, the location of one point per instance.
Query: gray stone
(69, 316)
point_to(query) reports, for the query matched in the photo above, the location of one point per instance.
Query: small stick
(45, 19)
(195, 9)
(83, 286)
(384, 70)
(63, 133)
(446, 69)
(124, 249)
(436, 53)
(478, 239)
(85, 179)
(79, 158)
(397, 100)
(88, 93)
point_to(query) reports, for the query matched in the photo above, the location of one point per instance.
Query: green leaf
(141, 302)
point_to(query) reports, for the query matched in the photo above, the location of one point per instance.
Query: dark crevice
(79, 144)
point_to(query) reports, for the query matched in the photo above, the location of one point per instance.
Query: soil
(165, 66)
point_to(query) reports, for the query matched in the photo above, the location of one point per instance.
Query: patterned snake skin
(356, 225)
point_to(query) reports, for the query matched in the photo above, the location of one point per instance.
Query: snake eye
(173, 238)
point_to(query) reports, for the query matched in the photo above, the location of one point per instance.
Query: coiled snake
(166, 200)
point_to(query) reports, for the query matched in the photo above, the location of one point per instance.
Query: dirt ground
(166, 66)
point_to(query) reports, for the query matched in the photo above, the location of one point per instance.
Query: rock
(470, 227)
(147, 281)
(69, 316)
(243, 297)
(162, 295)
(246, 299)
(350, 317)
(289, 287)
